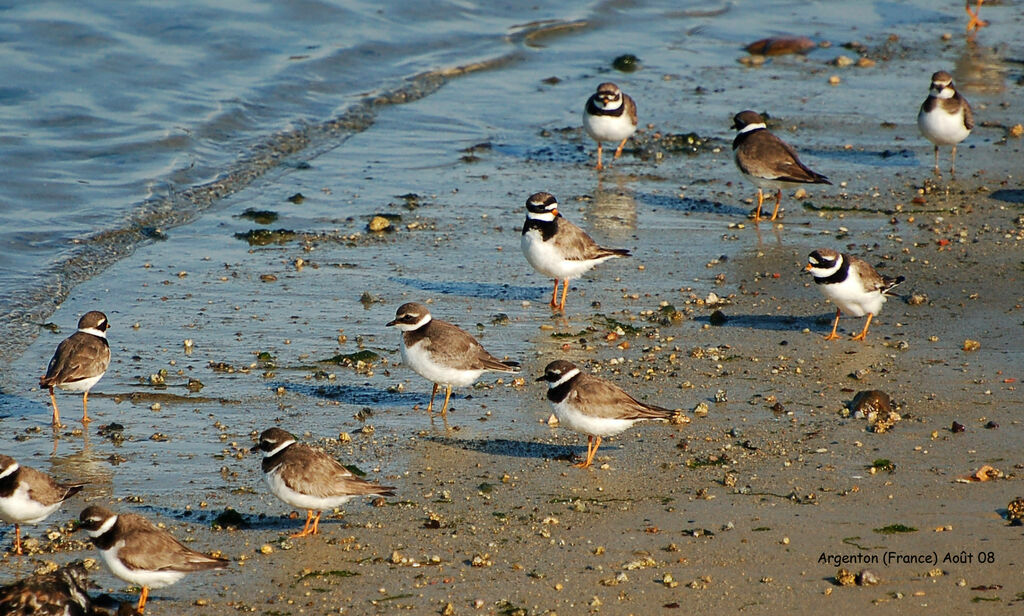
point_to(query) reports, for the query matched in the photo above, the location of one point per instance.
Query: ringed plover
(80, 361)
(557, 248)
(852, 285)
(28, 496)
(442, 353)
(945, 117)
(610, 115)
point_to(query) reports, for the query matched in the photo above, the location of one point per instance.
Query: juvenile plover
(610, 115)
(309, 478)
(767, 161)
(945, 117)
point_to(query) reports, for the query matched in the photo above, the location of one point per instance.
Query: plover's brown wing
(453, 347)
(968, 112)
(80, 356)
(44, 490)
(149, 548)
(602, 399)
(630, 107)
(315, 473)
(872, 280)
(763, 155)
(574, 244)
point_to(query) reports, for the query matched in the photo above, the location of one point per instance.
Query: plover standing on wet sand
(610, 115)
(442, 353)
(28, 496)
(557, 248)
(309, 478)
(767, 161)
(79, 362)
(852, 285)
(593, 406)
(945, 117)
(139, 552)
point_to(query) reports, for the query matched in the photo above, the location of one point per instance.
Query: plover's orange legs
(56, 412)
(565, 289)
(142, 599)
(976, 22)
(554, 295)
(835, 326)
(760, 200)
(599, 165)
(85, 408)
(592, 446)
(778, 200)
(618, 150)
(305, 529)
(447, 395)
(316, 523)
(864, 332)
(430, 405)
(17, 539)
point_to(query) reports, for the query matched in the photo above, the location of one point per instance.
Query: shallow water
(205, 285)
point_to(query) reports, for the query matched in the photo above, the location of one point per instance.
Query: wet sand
(731, 511)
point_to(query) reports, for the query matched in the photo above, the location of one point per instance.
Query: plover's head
(558, 372)
(748, 120)
(96, 520)
(942, 85)
(608, 96)
(410, 316)
(823, 262)
(272, 440)
(8, 466)
(542, 206)
(94, 322)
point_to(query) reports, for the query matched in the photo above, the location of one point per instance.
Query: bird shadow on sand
(686, 204)
(475, 289)
(512, 448)
(1008, 195)
(362, 395)
(775, 322)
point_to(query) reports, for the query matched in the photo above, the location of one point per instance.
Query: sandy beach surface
(754, 500)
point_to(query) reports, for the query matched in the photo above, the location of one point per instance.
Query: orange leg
(565, 289)
(835, 326)
(316, 523)
(778, 200)
(305, 529)
(447, 395)
(56, 412)
(864, 332)
(85, 408)
(586, 462)
(142, 599)
(17, 539)
(591, 451)
(599, 165)
(430, 405)
(618, 150)
(976, 23)
(760, 200)
(554, 295)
